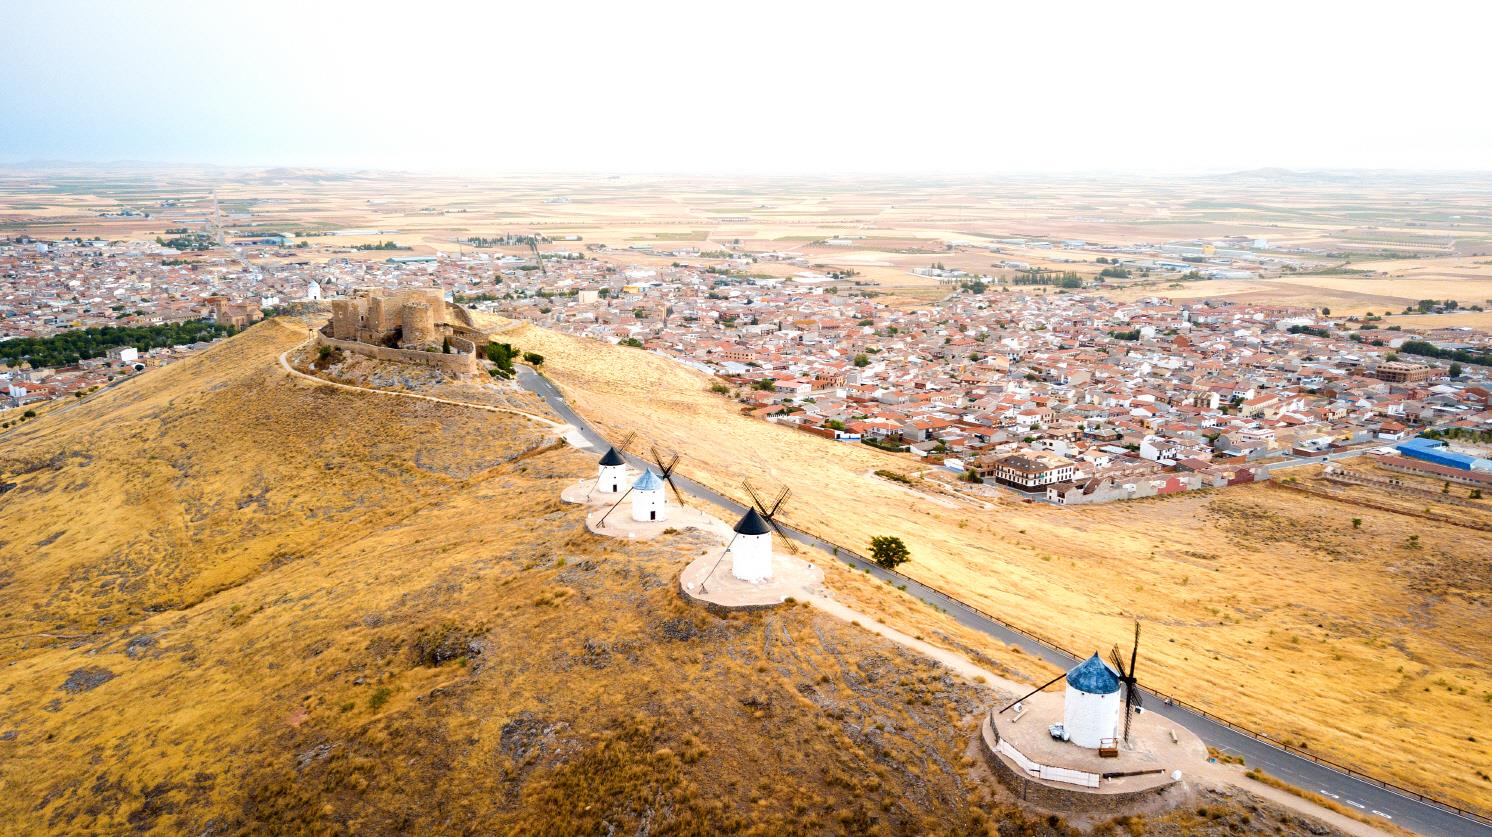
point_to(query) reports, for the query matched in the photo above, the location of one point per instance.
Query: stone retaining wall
(457, 363)
(1071, 799)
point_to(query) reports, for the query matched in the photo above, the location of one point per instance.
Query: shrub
(379, 697)
(889, 551)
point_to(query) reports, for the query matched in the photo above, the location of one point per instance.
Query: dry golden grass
(406, 632)
(1261, 604)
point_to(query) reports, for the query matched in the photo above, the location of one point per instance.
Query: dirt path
(952, 659)
(570, 433)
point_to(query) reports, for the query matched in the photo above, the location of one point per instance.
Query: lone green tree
(533, 358)
(889, 551)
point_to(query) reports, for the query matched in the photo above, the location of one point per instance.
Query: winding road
(1364, 796)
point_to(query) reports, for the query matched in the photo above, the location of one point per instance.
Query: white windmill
(647, 498)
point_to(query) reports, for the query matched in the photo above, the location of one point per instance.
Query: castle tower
(379, 321)
(1090, 707)
(647, 498)
(418, 326)
(751, 548)
(613, 472)
(346, 319)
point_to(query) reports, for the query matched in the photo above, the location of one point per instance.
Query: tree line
(1427, 349)
(69, 347)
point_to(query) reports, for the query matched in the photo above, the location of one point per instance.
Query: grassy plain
(1419, 237)
(1261, 604)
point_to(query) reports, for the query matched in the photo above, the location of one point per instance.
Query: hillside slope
(1263, 605)
(238, 603)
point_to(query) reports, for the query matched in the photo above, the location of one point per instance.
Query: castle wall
(454, 363)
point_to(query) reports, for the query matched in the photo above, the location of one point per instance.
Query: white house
(613, 472)
(647, 498)
(751, 548)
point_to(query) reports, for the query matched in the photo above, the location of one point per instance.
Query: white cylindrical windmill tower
(751, 548)
(613, 473)
(1090, 707)
(647, 498)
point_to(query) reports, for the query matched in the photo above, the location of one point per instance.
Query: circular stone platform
(583, 493)
(1156, 750)
(791, 577)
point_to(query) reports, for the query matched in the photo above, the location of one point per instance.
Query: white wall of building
(751, 557)
(647, 504)
(612, 479)
(1088, 718)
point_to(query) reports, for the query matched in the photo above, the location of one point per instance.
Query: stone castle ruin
(408, 326)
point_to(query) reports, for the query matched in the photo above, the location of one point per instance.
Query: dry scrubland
(1261, 604)
(239, 603)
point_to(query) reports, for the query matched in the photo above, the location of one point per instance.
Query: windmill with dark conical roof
(612, 474)
(750, 547)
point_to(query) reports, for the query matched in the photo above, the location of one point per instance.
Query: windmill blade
(792, 547)
(1138, 699)
(781, 498)
(1033, 691)
(673, 462)
(1135, 654)
(755, 499)
(1118, 662)
(1128, 716)
(678, 495)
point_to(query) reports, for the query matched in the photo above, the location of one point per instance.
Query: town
(1051, 389)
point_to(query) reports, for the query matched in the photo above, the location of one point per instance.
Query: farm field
(1262, 604)
(1415, 239)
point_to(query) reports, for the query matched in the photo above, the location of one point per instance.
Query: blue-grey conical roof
(647, 482)
(1094, 677)
(612, 459)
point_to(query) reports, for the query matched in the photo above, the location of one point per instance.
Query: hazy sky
(757, 87)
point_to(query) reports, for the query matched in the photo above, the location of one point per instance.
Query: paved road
(1304, 773)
